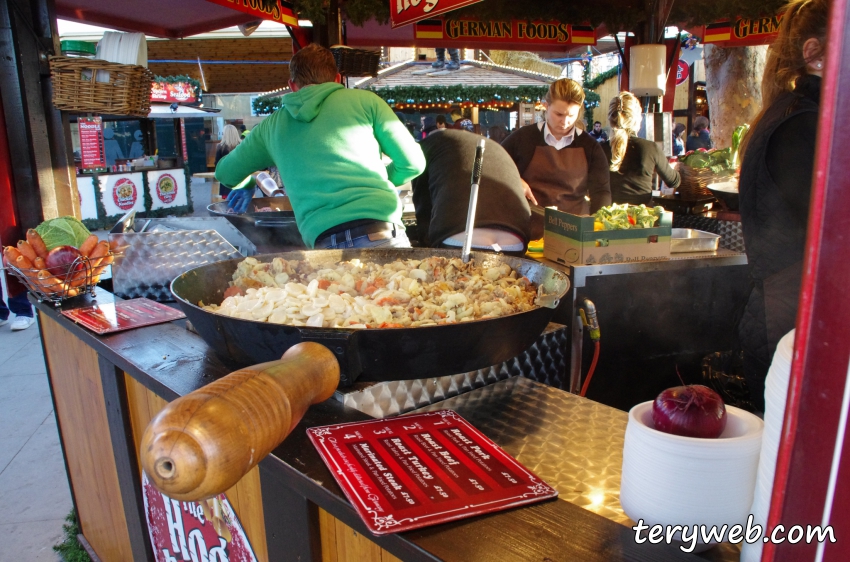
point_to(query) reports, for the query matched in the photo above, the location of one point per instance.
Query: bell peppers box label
(570, 239)
(418, 470)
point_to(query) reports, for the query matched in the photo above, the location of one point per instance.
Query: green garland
(266, 106)
(196, 84)
(601, 78)
(460, 94)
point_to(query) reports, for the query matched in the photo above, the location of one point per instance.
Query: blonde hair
(624, 116)
(230, 137)
(313, 64)
(566, 90)
(803, 20)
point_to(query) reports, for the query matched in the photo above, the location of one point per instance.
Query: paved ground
(34, 492)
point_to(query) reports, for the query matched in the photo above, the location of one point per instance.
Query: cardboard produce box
(571, 240)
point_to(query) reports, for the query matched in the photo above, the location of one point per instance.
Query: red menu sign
(207, 531)
(92, 152)
(183, 139)
(420, 470)
(403, 12)
(282, 12)
(123, 315)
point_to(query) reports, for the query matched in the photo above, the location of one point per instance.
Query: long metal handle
(473, 201)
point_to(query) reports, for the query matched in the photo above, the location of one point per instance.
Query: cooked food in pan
(357, 294)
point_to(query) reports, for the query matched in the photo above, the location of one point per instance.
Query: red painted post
(822, 348)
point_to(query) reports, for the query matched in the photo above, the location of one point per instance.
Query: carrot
(324, 284)
(11, 254)
(48, 282)
(103, 265)
(89, 244)
(369, 290)
(100, 250)
(25, 265)
(34, 239)
(380, 282)
(39, 263)
(26, 250)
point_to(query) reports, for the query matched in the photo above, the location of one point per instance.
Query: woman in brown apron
(560, 164)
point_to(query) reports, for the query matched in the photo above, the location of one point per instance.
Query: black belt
(357, 232)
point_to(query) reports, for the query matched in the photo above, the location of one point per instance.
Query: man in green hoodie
(327, 142)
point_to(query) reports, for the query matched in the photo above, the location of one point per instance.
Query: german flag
(429, 29)
(716, 32)
(583, 34)
(287, 14)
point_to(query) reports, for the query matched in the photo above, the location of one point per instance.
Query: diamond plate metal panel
(146, 263)
(544, 361)
(574, 444)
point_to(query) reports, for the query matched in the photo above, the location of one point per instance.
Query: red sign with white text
(413, 471)
(281, 13)
(742, 32)
(92, 153)
(122, 315)
(168, 92)
(207, 530)
(183, 139)
(404, 12)
(124, 194)
(683, 72)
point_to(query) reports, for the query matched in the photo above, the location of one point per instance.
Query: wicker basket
(97, 86)
(695, 181)
(356, 62)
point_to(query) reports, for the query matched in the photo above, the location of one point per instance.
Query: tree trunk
(733, 83)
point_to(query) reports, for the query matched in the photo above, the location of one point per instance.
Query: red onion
(691, 411)
(59, 261)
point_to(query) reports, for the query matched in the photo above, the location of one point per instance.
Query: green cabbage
(63, 231)
(616, 217)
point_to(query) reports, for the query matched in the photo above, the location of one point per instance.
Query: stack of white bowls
(674, 480)
(775, 394)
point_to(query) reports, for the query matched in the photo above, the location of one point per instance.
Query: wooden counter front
(106, 389)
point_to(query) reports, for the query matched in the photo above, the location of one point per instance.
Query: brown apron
(557, 177)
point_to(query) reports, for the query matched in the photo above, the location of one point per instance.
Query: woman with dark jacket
(560, 164)
(699, 137)
(230, 139)
(634, 161)
(776, 182)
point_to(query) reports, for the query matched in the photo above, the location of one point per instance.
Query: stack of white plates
(674, 480)
(775, 394)
(123, 48)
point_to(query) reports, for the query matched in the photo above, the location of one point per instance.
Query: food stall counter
(106, 389)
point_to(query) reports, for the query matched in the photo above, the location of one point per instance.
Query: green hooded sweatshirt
(327, 143)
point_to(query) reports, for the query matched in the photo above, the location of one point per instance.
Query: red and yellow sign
(516, 31)
(404, 12)
(167, 92)
(281, 13)
(743, 31)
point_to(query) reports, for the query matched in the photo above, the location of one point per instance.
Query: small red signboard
(125, 194)
(281, 13)
(122, 315)
(420, 470)
(473, 31)
(207, 531)
(168, 92)
(404, 12)
(183, 139)
(92, 153)
(683, 72)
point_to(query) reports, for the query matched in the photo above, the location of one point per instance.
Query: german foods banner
(403, 12)
(420, 470)
(475, 33)
(281, 13)
(742, 32)
(207, 531)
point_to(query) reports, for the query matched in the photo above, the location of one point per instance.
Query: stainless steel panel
(544, 361)
(691, 240)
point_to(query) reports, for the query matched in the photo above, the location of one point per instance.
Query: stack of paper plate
(123, 48)
(775, 393)
(674, 480)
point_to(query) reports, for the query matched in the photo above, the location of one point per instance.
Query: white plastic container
(648, 70)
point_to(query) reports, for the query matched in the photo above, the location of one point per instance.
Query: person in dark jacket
(230, 139)
(700, 137)
(776, 182)
(441, 195)
(634, 161)
(560, 164)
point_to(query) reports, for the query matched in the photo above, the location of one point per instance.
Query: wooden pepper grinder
(202, 444)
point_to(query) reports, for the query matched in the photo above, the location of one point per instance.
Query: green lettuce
(616, 217)
(63, 231)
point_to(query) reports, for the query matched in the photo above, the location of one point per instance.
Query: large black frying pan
(270, 231)
(373, 354)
